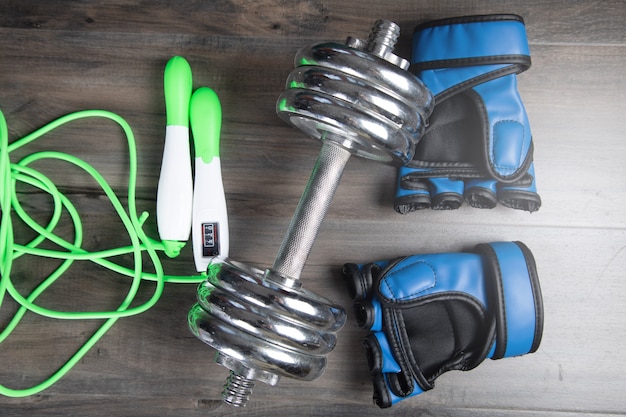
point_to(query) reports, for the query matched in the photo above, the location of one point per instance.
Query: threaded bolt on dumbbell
(357, 99)
(237, 389)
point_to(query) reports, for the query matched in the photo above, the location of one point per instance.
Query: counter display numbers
(210, 239)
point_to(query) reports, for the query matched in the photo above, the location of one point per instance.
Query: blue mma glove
(478, 146)
(433, 313)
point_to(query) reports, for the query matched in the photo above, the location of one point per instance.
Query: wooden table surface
(64, 56)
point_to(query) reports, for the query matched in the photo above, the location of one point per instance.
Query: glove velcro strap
(410, 280)
(517, 301)
(486, 46)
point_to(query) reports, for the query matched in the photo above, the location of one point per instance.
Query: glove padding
(432, 313)
(478, 146)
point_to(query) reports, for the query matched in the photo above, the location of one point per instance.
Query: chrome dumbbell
(357, 98)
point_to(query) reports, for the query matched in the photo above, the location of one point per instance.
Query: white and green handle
(175, 188)
(210, 236)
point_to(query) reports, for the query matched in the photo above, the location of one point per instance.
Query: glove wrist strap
(516, 298)
(487, 46)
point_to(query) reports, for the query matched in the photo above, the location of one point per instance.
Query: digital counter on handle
(210, 236)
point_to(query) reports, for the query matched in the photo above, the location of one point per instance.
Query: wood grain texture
(59, 57)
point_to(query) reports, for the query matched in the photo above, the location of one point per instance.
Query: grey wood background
(62, 56)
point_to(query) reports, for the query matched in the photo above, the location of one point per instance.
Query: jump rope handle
(210, 219)
(175, 187)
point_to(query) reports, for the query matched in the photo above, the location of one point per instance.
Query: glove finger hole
(481, 198)
(373, 354)
(364, 314)
(381, 396)
(358, 281)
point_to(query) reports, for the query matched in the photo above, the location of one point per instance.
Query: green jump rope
(142, 247)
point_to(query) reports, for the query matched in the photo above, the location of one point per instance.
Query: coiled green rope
(71, 251)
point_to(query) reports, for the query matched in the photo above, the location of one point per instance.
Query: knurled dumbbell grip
(311, 210)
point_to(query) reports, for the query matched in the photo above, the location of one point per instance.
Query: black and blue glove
(478, 146)
(433, 313)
